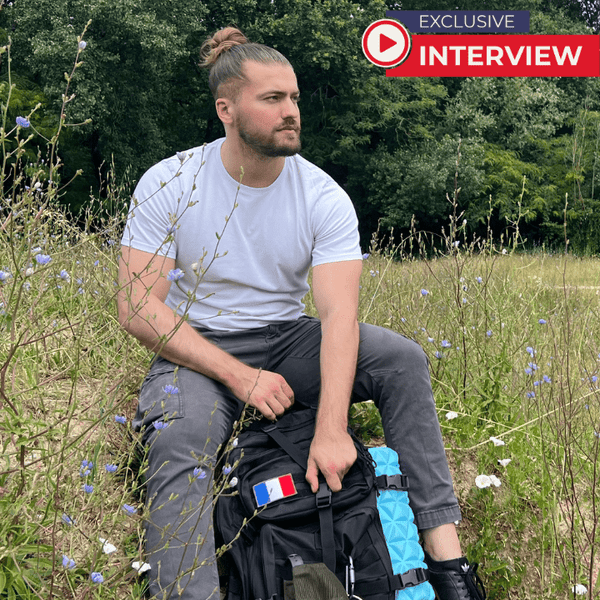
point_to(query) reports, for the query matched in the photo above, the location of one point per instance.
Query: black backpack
(279, 533)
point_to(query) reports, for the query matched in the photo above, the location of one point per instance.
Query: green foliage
(130, 84)
(388, 141)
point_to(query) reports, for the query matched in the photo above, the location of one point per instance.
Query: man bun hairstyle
(224, 54)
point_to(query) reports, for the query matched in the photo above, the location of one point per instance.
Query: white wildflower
(482, 481)
(451, 415)
(579, 589)
(140, 567)
(107, 547)
(495, 481)
(504, 461)
(497, 441)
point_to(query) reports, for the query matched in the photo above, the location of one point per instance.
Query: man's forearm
(158, 328)
(339, 351)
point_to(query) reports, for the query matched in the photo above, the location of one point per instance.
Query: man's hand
(331, 453)
(268, 392)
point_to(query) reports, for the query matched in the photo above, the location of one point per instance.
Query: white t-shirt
(244, 266)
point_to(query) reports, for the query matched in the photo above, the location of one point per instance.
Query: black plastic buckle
(413, 577)
(392, 482)
(323, 496)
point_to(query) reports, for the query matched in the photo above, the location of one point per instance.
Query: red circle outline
(391, 63)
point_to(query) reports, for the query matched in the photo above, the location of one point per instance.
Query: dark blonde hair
(224, 54)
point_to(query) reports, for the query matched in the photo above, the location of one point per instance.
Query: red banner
(501, 56)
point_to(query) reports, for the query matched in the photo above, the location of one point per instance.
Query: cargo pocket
(161, 396)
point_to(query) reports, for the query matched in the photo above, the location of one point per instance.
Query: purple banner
(462, 21)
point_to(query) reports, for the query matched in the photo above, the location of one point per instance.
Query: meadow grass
(514, 348)
(513, 342)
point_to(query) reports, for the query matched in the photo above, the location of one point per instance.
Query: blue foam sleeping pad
(399, 527)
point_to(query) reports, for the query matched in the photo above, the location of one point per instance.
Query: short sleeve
(335, 226)
(151, 222)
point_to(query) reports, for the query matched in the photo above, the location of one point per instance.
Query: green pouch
(315, 582)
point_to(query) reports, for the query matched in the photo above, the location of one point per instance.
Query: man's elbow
(125, 315)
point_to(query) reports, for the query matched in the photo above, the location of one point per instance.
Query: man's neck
(258, 171)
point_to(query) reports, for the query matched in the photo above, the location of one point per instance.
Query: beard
(266, 144)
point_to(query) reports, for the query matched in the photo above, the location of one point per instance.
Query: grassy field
(514, 347)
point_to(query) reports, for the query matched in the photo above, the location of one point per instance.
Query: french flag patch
(274, 489)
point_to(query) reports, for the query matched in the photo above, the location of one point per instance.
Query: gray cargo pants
(200, 413)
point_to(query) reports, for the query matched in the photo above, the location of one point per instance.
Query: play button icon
(386, 43)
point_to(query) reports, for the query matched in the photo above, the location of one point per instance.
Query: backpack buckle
(323, 496)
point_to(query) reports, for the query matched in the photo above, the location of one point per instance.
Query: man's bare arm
(335, 291)
(143, 288)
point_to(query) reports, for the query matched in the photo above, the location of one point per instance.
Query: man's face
(266, 113)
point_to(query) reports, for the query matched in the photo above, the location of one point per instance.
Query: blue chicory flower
(66, 519)
(67, 562)
(438, 355)
(132, 510)
(42, 259)
(96, 577)
(446, 344)
(226, 469)
(175, 274)
(488, 333)
(530, 394)
(160, 425)
(88, 488)
(547, 379)
(171, 389)
(542, 321)
(120, 419)
(22, 122)
(424, 292)
(365, 256)
(110, 468)
(199, 473)
(530, 351)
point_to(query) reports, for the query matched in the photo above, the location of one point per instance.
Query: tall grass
(513, 341)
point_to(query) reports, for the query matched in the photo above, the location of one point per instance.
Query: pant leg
(393, 371)
(179, 538)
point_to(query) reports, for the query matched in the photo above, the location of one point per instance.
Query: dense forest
(513, 149)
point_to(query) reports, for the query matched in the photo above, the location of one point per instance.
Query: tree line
(508, 149)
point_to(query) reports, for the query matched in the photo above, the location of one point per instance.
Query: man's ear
(224, 108)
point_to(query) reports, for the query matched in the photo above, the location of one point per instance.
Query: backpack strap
(322, 497)
(408, 579)
(283, 442)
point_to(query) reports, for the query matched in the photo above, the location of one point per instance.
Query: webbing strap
(282, 441)
(323, 498)
(398, 582)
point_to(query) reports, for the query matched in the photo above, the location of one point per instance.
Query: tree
(130, 82)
